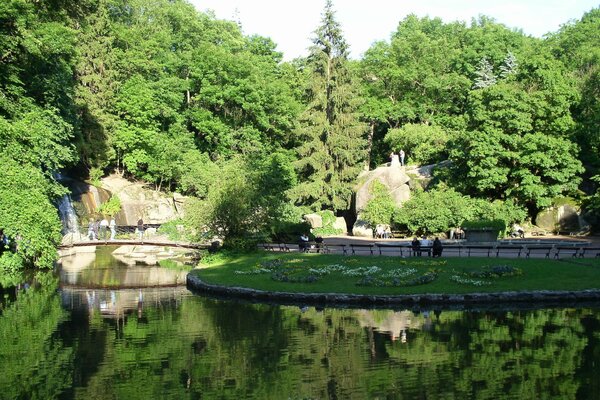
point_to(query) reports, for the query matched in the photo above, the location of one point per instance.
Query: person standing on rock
(113, 228)
(140, 228)
(402, 154)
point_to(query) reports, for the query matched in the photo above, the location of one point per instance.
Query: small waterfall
(68, 215)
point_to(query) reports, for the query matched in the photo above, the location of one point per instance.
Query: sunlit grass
(537, 274)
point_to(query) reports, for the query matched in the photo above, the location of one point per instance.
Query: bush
(242, 244)
(327, 229)
(110, 207)
(171, 230)
(381, 207)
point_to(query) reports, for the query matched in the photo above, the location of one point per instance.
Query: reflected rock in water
(125, 267)
(146, 254)
(111, 303)
(394, 323)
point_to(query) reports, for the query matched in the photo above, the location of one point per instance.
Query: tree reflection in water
(168, 343)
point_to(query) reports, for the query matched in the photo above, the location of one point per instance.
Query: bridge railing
(121, 232)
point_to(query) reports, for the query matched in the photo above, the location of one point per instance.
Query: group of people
(457, 233)
(304, 243)
(383, 232)
(397, 158)
(98, 229)
(435, 246)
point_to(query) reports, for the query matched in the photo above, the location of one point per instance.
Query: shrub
(327, 229)
(380, 208)
(110, 207)
(241, 244)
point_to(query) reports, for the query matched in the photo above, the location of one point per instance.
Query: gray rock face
(340, 223)
(138, 200)
(315, 220)
(362, 229)
(564, 218)
(394, 178)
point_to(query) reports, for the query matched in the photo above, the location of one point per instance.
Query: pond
(102, 339)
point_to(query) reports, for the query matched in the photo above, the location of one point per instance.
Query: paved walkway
(552, 247)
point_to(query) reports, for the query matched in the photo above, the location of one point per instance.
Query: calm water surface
(101, 338)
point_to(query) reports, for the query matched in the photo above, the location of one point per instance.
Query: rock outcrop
(394, 178)
(137, 200)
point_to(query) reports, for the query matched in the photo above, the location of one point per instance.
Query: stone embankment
(540, 296)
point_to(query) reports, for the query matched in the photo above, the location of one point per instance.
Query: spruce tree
(333, 139)
(485, 75)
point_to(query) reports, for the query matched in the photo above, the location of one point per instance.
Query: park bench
(423, 250)
(456, 249)
(571, 251)
(335, 249)
(592, 251)
(510, 249)
(274, 246)
(392, 249)
(361, 247)
(538, 250)
(479, 250)
(266, 246)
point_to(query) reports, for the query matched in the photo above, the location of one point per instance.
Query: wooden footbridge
(132, 242)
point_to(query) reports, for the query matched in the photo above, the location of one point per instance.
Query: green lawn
(395, 275)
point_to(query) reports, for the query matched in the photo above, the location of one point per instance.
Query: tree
(332, 149)
(424, 144)
(244, 197)
(518, 142)
(36, 127)
(576, 45)
(485, 76)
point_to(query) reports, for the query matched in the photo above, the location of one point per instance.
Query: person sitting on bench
(303, 242)
(319, 243)
(517, 231)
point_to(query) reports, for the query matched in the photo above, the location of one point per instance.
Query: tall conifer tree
(333, 139)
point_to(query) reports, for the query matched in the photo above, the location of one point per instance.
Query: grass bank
(371, 275)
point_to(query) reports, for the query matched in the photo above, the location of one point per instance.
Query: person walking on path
(103, 228)
(113, 228)
(140, 228)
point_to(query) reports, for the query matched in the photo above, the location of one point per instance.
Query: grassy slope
(538, 274)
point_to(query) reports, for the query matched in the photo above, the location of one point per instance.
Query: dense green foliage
(442, 208)
(36, 125)
(176, 97)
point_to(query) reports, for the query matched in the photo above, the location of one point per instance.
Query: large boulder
(138, 200)
(394, 178)
(561, 218)
(314, 220)
(340, 224)
(362, 228)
